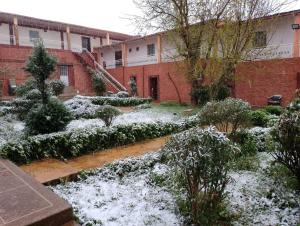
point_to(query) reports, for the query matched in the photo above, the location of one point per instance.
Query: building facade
(150, 60)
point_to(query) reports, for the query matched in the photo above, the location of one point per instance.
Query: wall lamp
(295, 26)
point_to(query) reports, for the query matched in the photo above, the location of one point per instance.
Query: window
(151, 50)
(130, 50)
(260, 39)
(34, 36)
(137, 49)
(64, 74)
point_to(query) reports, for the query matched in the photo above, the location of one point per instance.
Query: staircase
(87, 59)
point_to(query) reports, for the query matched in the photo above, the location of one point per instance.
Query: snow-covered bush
(201, 158)
(287, 141)
(122, 94)
(82, 108)
(49, 118)
(56, 87)
(34, 95)
(262, 136)
(23, 89)
(227, 115)
(142, 106)
(107, 114)
(10, 129)
(78, 142)
(116, 101)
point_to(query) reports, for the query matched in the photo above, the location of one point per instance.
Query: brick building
(149, 60)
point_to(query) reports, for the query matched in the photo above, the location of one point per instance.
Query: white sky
(103, 14)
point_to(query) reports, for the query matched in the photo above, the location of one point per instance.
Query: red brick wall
(256, 81)
(14, 59)
(167, 91)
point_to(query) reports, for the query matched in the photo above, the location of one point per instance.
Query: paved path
(52, 170)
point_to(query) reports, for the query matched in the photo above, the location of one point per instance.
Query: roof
(60, 26)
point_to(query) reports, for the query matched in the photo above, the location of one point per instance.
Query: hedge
(64, 145)
(117, 101)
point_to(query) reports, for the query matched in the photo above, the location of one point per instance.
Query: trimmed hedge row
(119, 102)
(64, 145)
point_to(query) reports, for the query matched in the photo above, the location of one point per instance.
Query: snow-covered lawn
(122, 194)
(142, 116)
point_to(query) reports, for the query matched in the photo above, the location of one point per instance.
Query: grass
(175, 107)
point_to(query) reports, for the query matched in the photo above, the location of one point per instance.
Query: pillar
(16, 31)
(124, 55)
(296, 37)
(68, 38)
(107, 39)
(159, 48)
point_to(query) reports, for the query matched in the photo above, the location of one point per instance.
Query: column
(296, 37)
(159, 48)
(124, 55)
(107, 39)
(16, 31)
(69, 38)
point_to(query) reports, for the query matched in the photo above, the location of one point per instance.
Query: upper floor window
(34, 36)
(260, 39)
(151, 50)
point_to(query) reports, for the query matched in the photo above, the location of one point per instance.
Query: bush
(274, 110)
(98, 84)
(201, 95)
(117, 102)
(142, 106)
(122, 94)
(23, 89)
(82, 108)
(259, 118)
(33, 95)
(107, 114)
(287, 142)
(227, 115)
(222, 93)
(52, 117)
(202, 158)
(247, 142)
(262, 138)
(56, 87)
(64, 145)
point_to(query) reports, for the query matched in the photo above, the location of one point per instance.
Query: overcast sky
(103, 14)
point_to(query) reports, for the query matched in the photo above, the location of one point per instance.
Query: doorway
(86, 43)
(153, 87)
(118, 58)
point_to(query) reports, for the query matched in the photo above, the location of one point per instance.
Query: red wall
(14, 58)
(167, 91)
(256, 81)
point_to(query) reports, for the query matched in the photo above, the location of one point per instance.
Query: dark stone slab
(25, 202)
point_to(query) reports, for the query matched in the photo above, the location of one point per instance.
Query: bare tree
(210, 36)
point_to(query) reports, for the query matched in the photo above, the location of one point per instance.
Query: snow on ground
(10, 129)
(259, 201)
(143, 116)
(121, 194)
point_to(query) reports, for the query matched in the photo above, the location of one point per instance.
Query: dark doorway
(86, 43)
(153, 87)
(118, 58)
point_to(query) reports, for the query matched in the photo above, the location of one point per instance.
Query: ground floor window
(64, 74)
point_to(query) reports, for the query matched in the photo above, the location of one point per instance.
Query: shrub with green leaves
(64, 145)
(56, 87)
(202, 159)
(23, 89)
(117, 102)
(107, 114)
(273, 110)
(98, 83)
(201, 95)
(259, 118)
(286, 136)
(227, 115)
(52, 117)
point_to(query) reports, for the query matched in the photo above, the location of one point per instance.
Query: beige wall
(4, 34)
